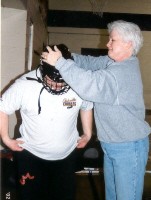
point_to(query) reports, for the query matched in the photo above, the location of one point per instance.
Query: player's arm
(10, 143)
(86, 120)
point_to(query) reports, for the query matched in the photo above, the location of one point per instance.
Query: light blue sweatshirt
(116, 90)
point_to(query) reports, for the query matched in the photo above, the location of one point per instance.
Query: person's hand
(51, 56)
(82, 142)
(13, 144)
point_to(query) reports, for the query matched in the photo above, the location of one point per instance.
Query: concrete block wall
(36, 13)
(13, 40)
(12, 44)
(117, 6)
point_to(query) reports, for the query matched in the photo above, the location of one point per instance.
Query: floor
(90, 187)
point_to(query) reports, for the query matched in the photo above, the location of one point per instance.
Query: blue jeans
(124, 169)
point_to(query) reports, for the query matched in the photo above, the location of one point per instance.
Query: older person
(114, 84)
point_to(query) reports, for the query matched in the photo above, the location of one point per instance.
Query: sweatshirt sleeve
(89, 62)
(98, 86)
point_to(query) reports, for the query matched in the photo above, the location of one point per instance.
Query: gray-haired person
(114, 84)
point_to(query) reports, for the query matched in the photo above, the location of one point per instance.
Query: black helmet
(52, 73)
(50, 70)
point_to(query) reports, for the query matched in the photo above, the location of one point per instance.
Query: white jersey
(52, 134)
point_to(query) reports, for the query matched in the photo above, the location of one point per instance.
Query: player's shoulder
(31, 74)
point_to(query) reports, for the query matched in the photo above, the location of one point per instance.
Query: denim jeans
(124, 169)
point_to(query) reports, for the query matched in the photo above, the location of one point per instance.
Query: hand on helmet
(52, 56)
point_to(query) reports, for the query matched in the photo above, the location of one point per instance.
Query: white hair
(129, 32)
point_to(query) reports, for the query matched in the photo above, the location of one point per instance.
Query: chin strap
(39, 81)
(50, 90)
(34, 79)
(39, 106)
(65, 88)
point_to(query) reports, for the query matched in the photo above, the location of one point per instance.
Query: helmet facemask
(51, 78)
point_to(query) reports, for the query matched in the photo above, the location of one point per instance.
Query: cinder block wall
(13, 40)
(36, 14)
